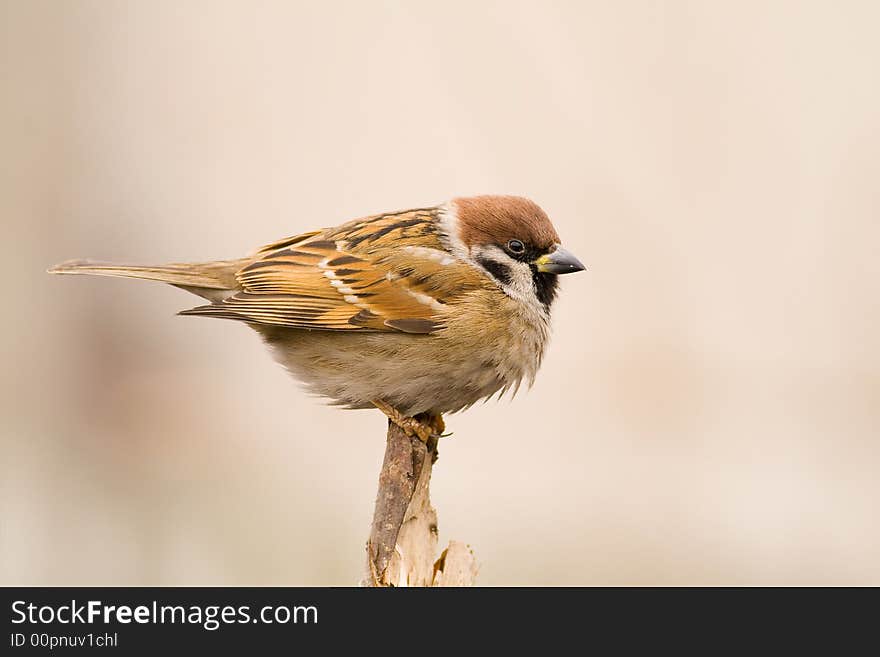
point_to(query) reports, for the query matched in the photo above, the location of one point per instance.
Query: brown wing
(382, 273)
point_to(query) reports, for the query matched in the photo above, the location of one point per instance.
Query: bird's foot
(424, 425)
(435, 421)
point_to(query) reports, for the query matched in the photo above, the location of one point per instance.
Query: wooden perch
(403, 541)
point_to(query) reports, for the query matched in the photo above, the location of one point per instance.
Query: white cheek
(520, 286)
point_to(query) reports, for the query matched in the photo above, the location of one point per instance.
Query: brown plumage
(424, 311)
(498, 219)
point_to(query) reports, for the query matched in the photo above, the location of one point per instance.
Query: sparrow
(418, 313)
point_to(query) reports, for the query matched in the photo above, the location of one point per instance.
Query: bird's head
(513, 241)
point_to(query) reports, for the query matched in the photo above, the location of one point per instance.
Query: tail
(211, 280)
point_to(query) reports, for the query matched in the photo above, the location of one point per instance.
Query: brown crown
(499, 219)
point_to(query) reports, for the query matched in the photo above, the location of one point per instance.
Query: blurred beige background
(708, 412)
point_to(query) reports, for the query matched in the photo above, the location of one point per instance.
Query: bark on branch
(402, 549)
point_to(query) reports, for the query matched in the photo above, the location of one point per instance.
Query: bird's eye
(515, 246)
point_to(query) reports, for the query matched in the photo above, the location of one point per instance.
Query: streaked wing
(374, 274)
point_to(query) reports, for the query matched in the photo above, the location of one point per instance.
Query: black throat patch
(546, 286)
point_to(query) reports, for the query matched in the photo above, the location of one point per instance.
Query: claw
(425, 425)
(424, 432)
(436, 422)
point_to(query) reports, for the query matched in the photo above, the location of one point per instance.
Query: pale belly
(441, 373)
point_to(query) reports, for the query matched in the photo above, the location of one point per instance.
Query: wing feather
(383, 273)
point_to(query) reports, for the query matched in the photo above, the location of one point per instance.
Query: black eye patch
(500, 272)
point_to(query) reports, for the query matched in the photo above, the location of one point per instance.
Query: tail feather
(202, 279)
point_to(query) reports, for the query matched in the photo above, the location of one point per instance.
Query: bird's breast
(486, 346)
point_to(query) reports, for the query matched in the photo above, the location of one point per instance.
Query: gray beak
(559, 261)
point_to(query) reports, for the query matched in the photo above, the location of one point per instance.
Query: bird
(419, 313)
